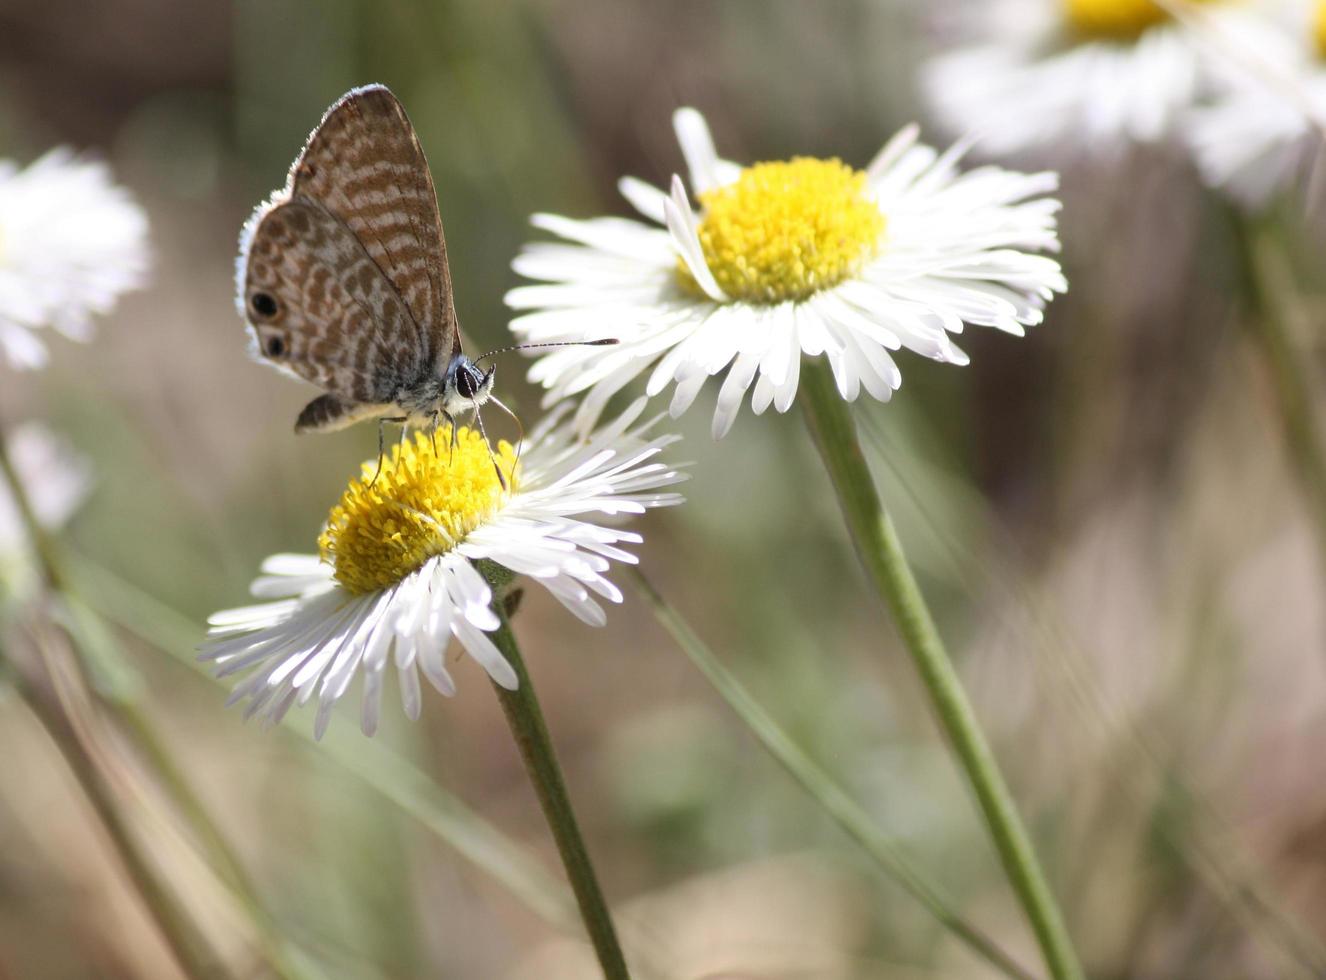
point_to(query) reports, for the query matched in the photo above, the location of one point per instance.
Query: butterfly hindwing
(320, 307)
(365, 166)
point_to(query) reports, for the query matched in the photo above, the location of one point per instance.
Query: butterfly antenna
(606, 342)
(501, 477)
(520, 440)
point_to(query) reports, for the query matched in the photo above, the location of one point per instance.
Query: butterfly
(342, 278)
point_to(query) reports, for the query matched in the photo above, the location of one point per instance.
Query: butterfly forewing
(364, 165)
(321, 307)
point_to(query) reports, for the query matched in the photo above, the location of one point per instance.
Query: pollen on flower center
(783, 231)
(1121, 20)
(423, 504)
(1319, 28)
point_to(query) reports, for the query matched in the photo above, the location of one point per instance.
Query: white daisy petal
(483, 650)
(645, 198)
(71, 242)
(411, 699)
(544, 527)
(686, 237)
(1260, 134)
(763, 395)
(730, 395)
(432, 661)
(939, 248)
(22, 348)
(901, 141)
(372, 707)
(697, 146)
(1035, 79)
(684, 394)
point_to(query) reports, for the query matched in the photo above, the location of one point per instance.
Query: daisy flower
(1263, 131)
(396, 579)
(1089, 76)
(803, 256)
(55, 479)
(71, 242)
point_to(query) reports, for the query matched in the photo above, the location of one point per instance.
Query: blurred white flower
(799, 257)
(71, 242)
(1089, 77)
(1263, 132)
(56, 481)
(396, 579)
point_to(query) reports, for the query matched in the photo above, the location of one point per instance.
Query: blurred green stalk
(528, 728)
(43, 696)
(114, 687)
(187, 944)
(1271, 290)
(285, 959)
(880, 550)
(821, 787)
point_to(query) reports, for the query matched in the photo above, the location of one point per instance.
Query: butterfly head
(466, 385)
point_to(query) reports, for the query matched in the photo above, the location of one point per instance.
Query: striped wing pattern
(343, 274)
(364, 164)
(322, 308)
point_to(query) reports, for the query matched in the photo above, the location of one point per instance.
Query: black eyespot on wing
(274, 346)
(263, 304)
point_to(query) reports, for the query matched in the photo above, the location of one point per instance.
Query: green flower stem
(1271, 288)
(523, 714)
(877, 545)
(821, 787)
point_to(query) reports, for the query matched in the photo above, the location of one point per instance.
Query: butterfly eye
(263, 304)
(275, 346)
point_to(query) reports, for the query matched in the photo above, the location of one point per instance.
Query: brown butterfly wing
(364, 165)
(319, 306)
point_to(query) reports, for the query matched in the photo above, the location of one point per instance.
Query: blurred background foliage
(1107, 521)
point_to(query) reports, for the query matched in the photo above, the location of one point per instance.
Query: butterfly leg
(454, 441)
(382, 445)
(432, 429)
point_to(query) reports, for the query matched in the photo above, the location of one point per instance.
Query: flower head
(71, 242)
(1262, 132)
(1075, 76)
(782, 259)
(397, 579)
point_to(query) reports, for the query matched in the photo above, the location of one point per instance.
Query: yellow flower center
(422, 505)
(783, 231)
(1115, 20)
(1319, 27)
